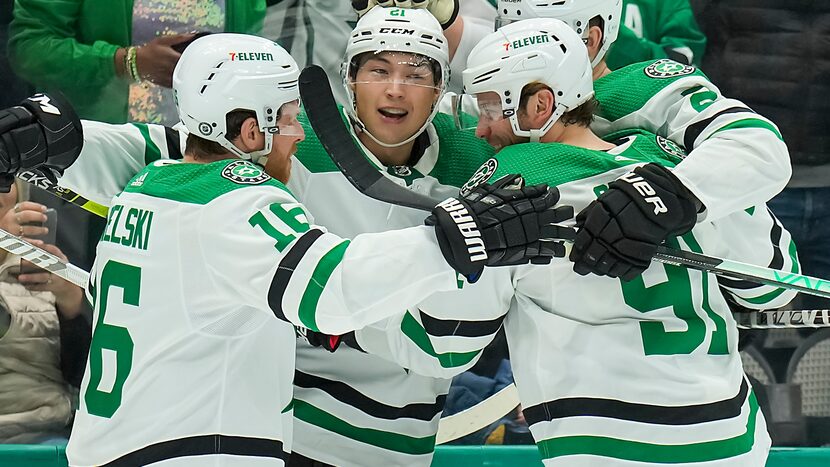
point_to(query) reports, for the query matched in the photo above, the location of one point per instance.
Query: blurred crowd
(114, 61)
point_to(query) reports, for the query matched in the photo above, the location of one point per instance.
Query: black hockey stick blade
(327, 122)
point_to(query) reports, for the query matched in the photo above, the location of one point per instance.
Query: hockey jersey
(619, 373)
(199, 274)
(737, 157)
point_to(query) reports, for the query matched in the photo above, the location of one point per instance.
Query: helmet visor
(390, 68)
(471, 111)
(287, 122)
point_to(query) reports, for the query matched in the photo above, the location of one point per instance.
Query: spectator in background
(775, 57)
(655, 29)
(114, 59)
(14, 90)
(36, 402)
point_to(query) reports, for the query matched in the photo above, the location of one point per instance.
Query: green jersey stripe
(413, 330)
(322, 272)
(382, 439)
(749, 123)
(655, 453)
(152, 152)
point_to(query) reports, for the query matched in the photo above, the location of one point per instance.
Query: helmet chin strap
(536, 134)
(363, 128)
(254, 156)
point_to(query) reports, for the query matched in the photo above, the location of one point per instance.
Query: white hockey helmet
(576, 13)
(538, 50)
(220, 73)
(411, 31)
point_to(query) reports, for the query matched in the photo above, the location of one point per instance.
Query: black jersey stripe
(286, 268)
(777, 261)
(441, 327)
(644, 413)
(201, 446)
(174, 150)
(354, 398)
(694, 130)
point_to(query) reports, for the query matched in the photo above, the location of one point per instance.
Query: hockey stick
(43, 259)
(324, 116)
(782, 319)
(478, 416)
(38, 180)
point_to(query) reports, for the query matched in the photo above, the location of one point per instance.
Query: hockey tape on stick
(783, 319)
(327, 121)
(478, 416)
(38, 180)
(43, 259)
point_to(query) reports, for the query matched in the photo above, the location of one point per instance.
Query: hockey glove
(498, 225)
(619, 232)
(445, 11)
(42, 133)
(318, 339)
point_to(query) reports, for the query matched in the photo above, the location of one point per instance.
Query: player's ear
(250, 137)
(540, 107)
(594, 41)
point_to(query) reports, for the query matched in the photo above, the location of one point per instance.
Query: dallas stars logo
(482, 175)
(666, 68)
(244, 173)
(671, 147)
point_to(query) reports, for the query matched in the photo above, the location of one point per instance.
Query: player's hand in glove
(318, 339)
(501, 224)
(42, 133)
(445, 11)
(619, 232)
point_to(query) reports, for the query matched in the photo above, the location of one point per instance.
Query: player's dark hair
(582, 115)
(201, 148)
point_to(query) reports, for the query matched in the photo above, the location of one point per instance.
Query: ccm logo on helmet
(408, 32)
(249, 56)
(646, 190)
(467, 227)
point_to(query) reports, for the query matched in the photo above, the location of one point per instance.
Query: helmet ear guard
(575, 13)
(540, 50)
(221, 73)
(407, 31)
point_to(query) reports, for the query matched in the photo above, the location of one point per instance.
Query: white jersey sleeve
(737, 158)
(445, 334)
(756, 236)
(113, 154)
(272, 258)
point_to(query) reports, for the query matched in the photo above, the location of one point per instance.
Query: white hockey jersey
(632, 373)
(199, 274)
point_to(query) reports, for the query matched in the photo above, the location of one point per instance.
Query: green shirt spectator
(655, 29)
(71, 46)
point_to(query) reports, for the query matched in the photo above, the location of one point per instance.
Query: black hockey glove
(318, 339)
(41, 133)
(619, 232)
(500, 225)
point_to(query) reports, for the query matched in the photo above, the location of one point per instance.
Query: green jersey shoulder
(198, 183)
(627, 90)
(557, 163)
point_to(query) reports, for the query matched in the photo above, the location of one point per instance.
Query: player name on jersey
(130, 228)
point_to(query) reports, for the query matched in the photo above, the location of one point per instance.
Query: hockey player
(354, 409)
(610, 372)
(204, 264)
(737, 158)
